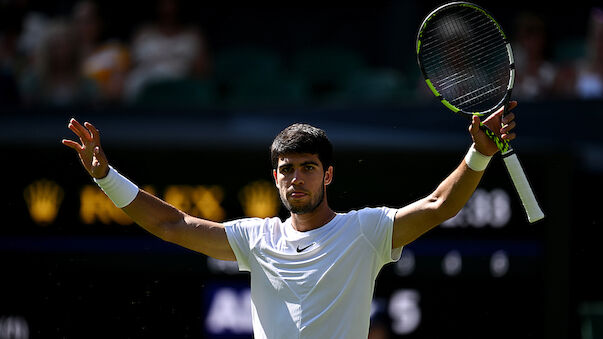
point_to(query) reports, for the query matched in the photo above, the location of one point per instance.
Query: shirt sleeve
(377, 225)
(241, 235)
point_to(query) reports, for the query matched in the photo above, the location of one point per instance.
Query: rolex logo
(259, 199)
(43, 198)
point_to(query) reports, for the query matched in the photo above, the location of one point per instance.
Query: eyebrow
(305, 163)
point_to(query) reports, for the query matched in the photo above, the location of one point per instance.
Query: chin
(299, 209)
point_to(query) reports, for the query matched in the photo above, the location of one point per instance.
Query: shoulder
(369, 213)
(370, 219)
(370, 216)
(251, 230)
(255, 224)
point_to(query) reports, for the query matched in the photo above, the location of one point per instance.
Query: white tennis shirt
(314, 284)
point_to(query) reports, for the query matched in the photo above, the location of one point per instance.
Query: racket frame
(505, 100)
(516, 172)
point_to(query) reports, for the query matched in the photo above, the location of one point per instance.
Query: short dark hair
(302, 138)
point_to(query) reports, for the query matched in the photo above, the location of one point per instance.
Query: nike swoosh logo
(299, 250)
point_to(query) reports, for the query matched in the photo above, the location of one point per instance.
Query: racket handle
(523, 187)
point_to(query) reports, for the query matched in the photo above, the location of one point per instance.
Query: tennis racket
(468, 64)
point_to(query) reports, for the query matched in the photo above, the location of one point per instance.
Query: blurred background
(188, 97)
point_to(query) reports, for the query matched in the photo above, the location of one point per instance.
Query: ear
(274, 175)
(328, 178)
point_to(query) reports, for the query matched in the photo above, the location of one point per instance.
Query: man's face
(301, 181)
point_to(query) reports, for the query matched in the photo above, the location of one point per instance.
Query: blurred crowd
(69, 60)
(576, 70)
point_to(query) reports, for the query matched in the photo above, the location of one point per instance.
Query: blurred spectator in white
(166, 49)
(107, 62)
(584, 79)
(54, 78)
(589, 82)
(32, 34)
(535, 74)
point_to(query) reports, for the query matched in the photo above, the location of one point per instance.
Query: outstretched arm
(151, 213)
(453, 193)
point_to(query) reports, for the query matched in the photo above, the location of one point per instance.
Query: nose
(297, 178)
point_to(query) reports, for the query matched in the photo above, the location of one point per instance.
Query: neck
(312, 220)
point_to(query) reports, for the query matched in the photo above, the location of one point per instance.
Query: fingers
(508, 124)
(503, 124)
(509, 137)
(474, 127)
(508, 118)
(72, 144)
(507, 127)
(79, 130)
(512, 105)
(93, 131)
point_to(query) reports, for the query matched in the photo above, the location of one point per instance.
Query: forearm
(454, 192)
(170, 224)
(154, 215)
(151, 213)
(443, 203)
(164, 220)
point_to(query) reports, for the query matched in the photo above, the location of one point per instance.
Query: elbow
(449, 214)
(449, 211)
(444, 209)
(170, 230)
(165, 231)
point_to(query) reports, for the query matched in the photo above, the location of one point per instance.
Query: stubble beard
(306, 208)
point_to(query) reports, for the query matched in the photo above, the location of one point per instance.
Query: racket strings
(466, 28)
(484, 47)
(466, 59)
(437, 41)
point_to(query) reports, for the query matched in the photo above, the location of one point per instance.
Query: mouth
(297, 194)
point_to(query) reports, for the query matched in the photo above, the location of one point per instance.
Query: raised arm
(453, 193)
(151, 213)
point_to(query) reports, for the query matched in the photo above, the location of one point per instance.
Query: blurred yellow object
(96, 206)
(43, 198)
(259, 199)
(200, 201)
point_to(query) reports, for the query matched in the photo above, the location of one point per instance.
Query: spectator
(33, 29)
(584, 79)
(166, 49)
(535, 74)
(54, 78)
(589, 82)
(107, 63)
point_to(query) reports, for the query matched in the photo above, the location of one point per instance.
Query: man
(313, 275)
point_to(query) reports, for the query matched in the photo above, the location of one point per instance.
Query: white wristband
(475, 160)
(118, 188)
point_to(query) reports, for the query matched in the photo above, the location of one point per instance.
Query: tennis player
(313, 275)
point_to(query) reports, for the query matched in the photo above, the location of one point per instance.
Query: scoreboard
(75, 265)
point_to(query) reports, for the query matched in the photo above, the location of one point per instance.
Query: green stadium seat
(569, 50)
(374, 86)
(177, 93)
(326, 70)
(267, 92)
(236, 63)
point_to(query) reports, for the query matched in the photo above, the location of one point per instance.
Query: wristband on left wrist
(118, 188)
(475, 160)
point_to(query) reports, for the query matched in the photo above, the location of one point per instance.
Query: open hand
(501, 126)
(90, 152)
